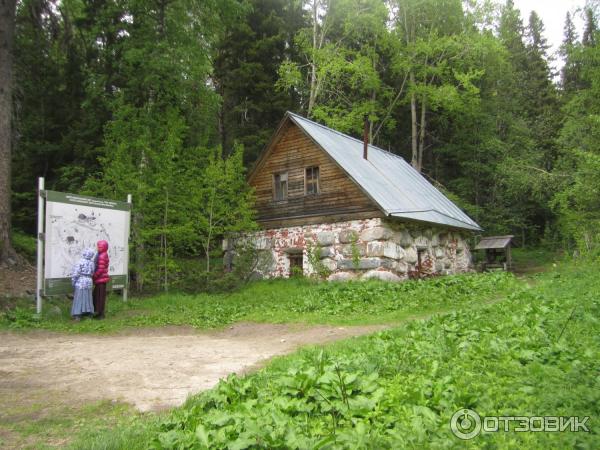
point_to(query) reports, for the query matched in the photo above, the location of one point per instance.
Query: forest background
(172, 100)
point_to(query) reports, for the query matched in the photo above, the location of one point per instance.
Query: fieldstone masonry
(363, 249)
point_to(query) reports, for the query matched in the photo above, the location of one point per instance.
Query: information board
(75, 222)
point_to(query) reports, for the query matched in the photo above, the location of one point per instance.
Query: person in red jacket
(100, 278)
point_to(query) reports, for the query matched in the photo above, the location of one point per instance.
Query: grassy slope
(278, 301)
(50, 421)
(399, 388)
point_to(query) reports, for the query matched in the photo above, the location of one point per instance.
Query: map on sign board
(75, 222)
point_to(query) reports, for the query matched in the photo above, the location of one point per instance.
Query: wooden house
(331, 203)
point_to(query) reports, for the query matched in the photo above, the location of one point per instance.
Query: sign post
(70, 223)
(40, 247)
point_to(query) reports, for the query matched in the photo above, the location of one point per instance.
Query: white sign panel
(75, 222)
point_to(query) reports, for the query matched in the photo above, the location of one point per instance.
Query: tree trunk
(413, 121)
(7, 28)
(137, 218)
(209, 235)
(373, 97)
(422, 134)
(166, 248)
(313, 66)
(138, 224)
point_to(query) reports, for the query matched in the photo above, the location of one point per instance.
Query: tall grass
(534, 354)
(277, 301)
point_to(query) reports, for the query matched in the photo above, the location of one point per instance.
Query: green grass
(277, 301)
(530, 260)
(49, 423)
(399, 388)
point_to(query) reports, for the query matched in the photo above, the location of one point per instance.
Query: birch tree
(434, 52)
(339, 75)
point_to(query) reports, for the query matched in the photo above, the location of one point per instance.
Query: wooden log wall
(339, 197)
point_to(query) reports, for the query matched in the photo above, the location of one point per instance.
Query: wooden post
(127, 251)
(40, 247)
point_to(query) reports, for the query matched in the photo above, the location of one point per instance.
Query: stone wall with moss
(362, 249)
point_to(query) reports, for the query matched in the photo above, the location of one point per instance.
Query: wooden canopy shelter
(497, 252)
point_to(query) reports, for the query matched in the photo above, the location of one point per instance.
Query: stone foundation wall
(362, 249)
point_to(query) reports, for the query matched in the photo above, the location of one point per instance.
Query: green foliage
(24, 244)
(245, 70)
(354, 250)
(221, 199)
(38, 424)
(19, 318)
(122, 104)
(345, 44)
(146, 156)
(576, 200)
(296, 272)
(399, 388)
(296, 300)
(150, 98)
(578, 204)
(313, 252)
(442, 62)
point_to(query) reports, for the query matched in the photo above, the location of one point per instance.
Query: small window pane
(280, 186)
(312, 180)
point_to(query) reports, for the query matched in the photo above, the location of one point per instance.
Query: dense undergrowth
(294, 300)
(534, 354)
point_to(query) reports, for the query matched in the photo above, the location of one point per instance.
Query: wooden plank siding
(339, 197)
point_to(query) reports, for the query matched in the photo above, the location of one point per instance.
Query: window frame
(317, 181)
(287, 186)
(295, 260)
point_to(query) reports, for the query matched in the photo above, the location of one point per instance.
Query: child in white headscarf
(82, 282)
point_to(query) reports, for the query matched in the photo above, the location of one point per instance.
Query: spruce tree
(577, 201)
(589, 29)
(512, 32)
(541, 95)
(246, 63)
(569, 74)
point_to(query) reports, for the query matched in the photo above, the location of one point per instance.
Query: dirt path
(151, 369)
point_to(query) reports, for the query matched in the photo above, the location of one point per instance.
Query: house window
(311, 180)
(280, 186)
(296, 266)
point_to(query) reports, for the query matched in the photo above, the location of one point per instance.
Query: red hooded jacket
(102, 264)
